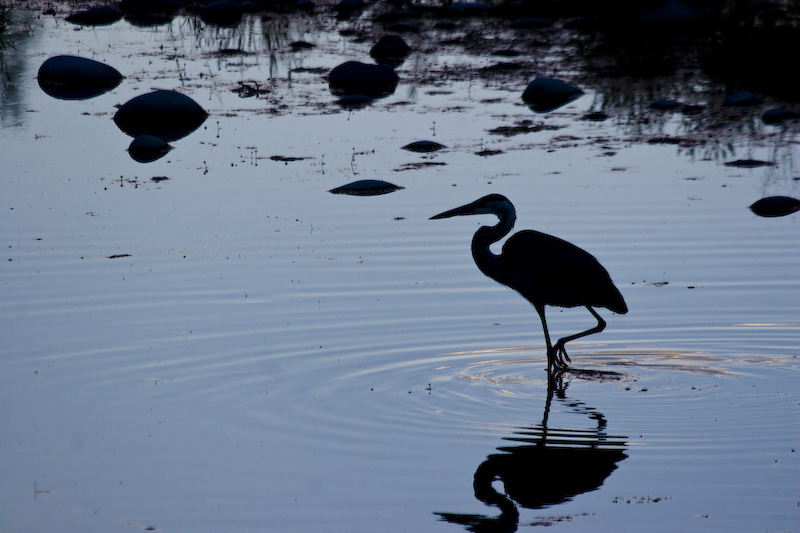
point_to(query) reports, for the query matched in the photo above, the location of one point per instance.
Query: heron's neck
(485, 237)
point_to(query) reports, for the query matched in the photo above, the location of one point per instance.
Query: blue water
(269, 356)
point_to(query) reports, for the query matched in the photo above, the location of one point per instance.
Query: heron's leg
(560, 349)
(554, 362)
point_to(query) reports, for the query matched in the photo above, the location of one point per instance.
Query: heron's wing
(553, 271)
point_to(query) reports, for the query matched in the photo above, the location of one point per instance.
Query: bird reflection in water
(544, 269)
(544, 467)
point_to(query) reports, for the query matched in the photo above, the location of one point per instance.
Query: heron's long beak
(469, 209)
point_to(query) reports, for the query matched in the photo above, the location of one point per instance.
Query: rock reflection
(544, 466)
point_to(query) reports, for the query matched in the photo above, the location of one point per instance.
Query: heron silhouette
(544, 269)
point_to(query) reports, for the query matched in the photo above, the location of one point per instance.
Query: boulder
(390, 50)
(354, 77)
(546, 94)
(76, 78)
(222, 13)
(96, 16)
(168, 115)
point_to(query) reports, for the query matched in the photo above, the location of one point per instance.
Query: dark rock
(222, 13)
(424, 147)
(168, 115)
(749, 163)
(366, 188)
(390, 50)
(76, 78)
(775, 206)
(546, 94)
(301, 45)
(778, 114)
(96, 16)
(354, 77)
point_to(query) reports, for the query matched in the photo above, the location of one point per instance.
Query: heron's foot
(561, 354)
(556, 358)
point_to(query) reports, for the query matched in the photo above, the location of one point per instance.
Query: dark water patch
(417, 165)
(286, 159)
(522, 127)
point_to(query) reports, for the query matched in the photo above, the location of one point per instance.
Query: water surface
(236, 349)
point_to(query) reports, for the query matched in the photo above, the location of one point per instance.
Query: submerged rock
(390, 50)
(354, 77)
(366, 188)
(96, 16)
(148, 148)
(546, 94)
(76, 78)
(168, 115)
(775, 206)
(423, 147)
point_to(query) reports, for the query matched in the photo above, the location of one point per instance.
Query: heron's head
(492, 204)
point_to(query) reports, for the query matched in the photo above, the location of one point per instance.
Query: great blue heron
(544, 269)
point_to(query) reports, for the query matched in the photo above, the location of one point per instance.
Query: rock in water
(76, 78)
(96, 16)
(222, 13)
(546, 94)
(168, 115)
(775, 206)
(354, 77)
(366, 188)
(390, 50)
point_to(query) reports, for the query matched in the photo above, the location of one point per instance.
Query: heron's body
(544, 269)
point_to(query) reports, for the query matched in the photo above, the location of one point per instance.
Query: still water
(236, 349)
